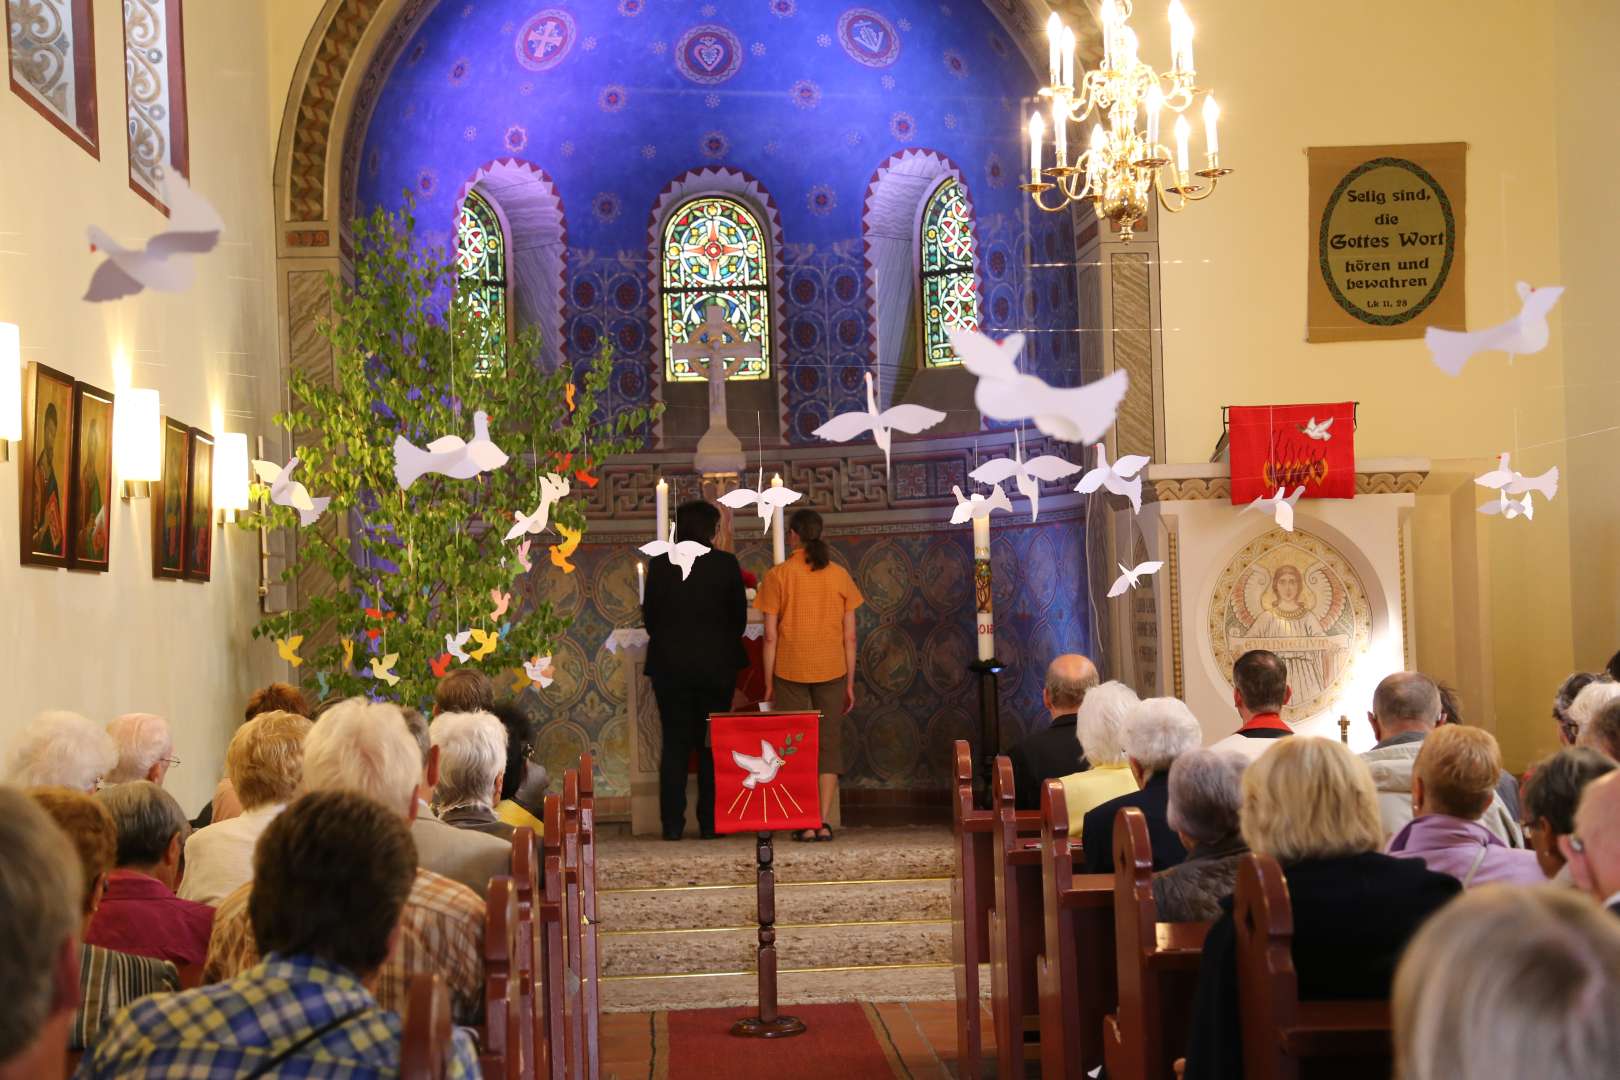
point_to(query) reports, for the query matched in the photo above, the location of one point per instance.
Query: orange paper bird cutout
(440, 665)
(568, 396)
(560, 552)
(348, 653)
(501, 600)
(487, 640)
(584, 476)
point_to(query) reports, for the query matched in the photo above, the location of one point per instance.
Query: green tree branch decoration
(428, 558)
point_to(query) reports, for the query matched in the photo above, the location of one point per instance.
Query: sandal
(825, 828)
(805, 836)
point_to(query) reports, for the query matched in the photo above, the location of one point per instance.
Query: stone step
(700, 906)
(856, 944)
(795, 986)
(858, 854)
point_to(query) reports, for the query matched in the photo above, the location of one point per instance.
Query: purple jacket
(1466, 850)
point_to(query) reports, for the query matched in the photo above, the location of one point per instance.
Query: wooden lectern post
(767, 1025)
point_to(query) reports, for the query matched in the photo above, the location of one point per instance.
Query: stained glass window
(155, 93)
(53, 65)
(950, 290)
(714, 253)
(481, 268)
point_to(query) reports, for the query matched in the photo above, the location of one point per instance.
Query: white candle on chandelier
(1155, 105)
(1060, 135)
(1035, 148)
(1181, 35)
(1212, 113)
(1108, 16)
(1183, 131)
(1127, 49)
(1054, 45)
(1094, 158)
(1068, 57)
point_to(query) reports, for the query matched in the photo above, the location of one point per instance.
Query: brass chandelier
(1123, 167)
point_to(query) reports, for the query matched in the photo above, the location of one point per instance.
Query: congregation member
(108, 980)
(1541, 1000)
(305, 1009)
(61, 749)
(145, 748)
(1310, 804)
(463, 855)
(1507, 785)
(264, 763)
(274, 697)
(1452, 782)
(1406, 710)
(364, 748)
(1591, 700)
(1550, 797)
(464, 690)
(1100, 725)
(695, 623)
(524, 783)
(1205, 810)
(1602, 730)
(40, 890)
(139, 912)
(1567, 692)
(1592, 849)
(1055, 750)
(1157, 732)
(472, 764)
(809, 604)
(1259, 691)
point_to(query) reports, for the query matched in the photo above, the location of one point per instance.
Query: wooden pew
(1157, 965)
(590, 956)
(501, 1056)
(1285, 1038)
(552, 961)
(1074, 971)
(526, 881)
(580, 1058)
(424, 1045)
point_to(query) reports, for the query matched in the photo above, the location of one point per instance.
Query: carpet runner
(845, 1042)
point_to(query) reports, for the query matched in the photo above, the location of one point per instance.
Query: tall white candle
(1035, 125)
(1068, 57)
(1155, 104)
(660, 527)
(1054, 42)
(641, 582)
(1060, 135)
(778, 536)
(985, 625)
(1212, 114)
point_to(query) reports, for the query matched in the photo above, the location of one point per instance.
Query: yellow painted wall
(121, 641)
(1291, 75)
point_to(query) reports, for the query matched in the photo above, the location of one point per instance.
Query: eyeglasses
(1576, 844)
(172, 762)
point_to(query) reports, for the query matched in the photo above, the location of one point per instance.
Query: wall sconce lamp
(138, 440)
(10, 388)
(230, 475)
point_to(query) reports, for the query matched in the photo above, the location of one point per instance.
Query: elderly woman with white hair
(145, 748)
(61, 749)
(1100, 728)
(1156, 732)
(472, 764)
(1206, 800)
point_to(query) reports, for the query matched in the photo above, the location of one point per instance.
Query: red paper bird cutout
(441, 665)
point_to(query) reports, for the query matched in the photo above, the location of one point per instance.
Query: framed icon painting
(169, 502)
(90, 494)
(200, 507)
(47, 446)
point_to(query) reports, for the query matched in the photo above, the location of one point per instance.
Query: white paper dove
(1027, 474)
(456, 645)
(1522, 335)
(165, 264)
(907, 418)
(1073, 414)
(1128, 577)
(1318, 430)
(683, 554)
(1279, 506)
(1510, 508)
(761, 769)
(450, 455)
(285, 491)
(1121, 478)
(979, 506)
(1511, 482)
(767, 498)
(552, 488)
(536, 671)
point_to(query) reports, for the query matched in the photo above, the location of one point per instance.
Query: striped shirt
(810, 606)
(110, 980)
(231, 1028)
(441, 930)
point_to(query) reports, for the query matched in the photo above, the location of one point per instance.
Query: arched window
(950, 290)
(481, 272)
(715, 252)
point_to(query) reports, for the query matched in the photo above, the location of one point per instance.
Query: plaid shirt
(441, 930)
(228, 1029)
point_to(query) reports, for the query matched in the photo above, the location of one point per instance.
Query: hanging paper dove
(1127, 578)
(1028, 474)
(348, 653)
(1510, 508)
(552, 488)
(539, 670)
(456, 644)
(683, 554)
(560, 552)
(1073, 414)
(487, 640)
(1522, 335)
(1121, 478)
(501, 600)
(285, 491)
(907, 418)
(1504, 478)
(383, 668)
(767, 499)
(523, 556)
(1279, 506)
(440, 665)
(166, 262)
(288, 648)
(450, 455)
(979, 506)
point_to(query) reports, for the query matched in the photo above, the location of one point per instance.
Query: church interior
(906, 443)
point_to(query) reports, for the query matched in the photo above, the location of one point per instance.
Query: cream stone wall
(121, 641)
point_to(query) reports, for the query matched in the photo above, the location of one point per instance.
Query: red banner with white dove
(1292, 446)
(765, 771)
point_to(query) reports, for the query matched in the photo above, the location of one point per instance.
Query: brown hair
(464, 690)
(265, 759)
(89, 826)
(277, 697)
(1459, 767)
(806, 525)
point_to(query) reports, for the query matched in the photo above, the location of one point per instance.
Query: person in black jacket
(1054, 750)
(1157, 731)
(1310, 804)
(695, 626)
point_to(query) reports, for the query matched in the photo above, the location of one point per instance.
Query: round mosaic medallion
(946, 654)
(944, 728)
(891, 742)
(545, 39)
(558, 748)
(947, 575)
(708, 54)
(614, 584)
(888, 659)
(885, 575)
(613, 757)
(868, 37)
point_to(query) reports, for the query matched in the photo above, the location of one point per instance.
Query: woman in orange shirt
(809, 604)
